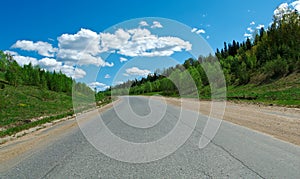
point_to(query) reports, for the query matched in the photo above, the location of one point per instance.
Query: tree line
(30, 75)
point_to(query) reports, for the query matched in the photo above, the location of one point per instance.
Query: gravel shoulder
(280, 122)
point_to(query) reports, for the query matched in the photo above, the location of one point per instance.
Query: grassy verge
(23, 103)
(24, 107)
(282, 92)
(16, 129)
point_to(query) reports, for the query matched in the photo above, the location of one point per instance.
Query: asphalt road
(235, 152)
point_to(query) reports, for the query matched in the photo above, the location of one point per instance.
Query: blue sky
(46, 21)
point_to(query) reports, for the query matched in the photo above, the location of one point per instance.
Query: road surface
(235, 152)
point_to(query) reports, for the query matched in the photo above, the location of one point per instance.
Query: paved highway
(235, 152)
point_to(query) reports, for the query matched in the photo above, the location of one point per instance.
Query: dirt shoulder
(17, 149)
(280, 122)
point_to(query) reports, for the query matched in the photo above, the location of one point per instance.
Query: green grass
(18, 128)
(282, 92)
(19, 105)
(26, 102)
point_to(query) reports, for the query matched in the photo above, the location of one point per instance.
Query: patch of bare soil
(280, 122)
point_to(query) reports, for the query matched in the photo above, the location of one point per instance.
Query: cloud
(84, 40)
(82, 48)
(135, 71)
(281, 10)
(247, 35)
(72, 57)
(200, 31)
(250, 29)
(107, 76)
(8, 52)
(143, 24)
(98, 86)
(79, 73)
(22, 60)
(156, 24)
(296, 5)
(48, 64)
(117, 82)
(194, 30)
(260, 26)
(252, 23)
(43, 48)
(51, 64)
(140, 42)
(112, 42)
(122, 59)
(285, 8)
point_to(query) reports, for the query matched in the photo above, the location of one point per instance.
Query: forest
(28, 75)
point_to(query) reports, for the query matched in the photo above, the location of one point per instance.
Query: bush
(276, 68)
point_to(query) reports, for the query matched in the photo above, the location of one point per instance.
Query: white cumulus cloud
(285, 8)
(84, 40)
(156, 24)
(194, 30)
(98, 85)
(252, 23)
(250, 29)
(200, 31)
(51, 64)
(281, 10)
(22, 60)
(82, 48)
(141, 42)
(144, 23)
(12, 53)
(71, 57)
(135, 71)
(260, 26)
(43, 48)
(122, 59)
(247, 35)
(296, 5)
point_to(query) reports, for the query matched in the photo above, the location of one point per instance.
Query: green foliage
(276, 68)
(273, 52)
(35, 76)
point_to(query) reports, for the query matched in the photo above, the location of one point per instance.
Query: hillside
(30, 96)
